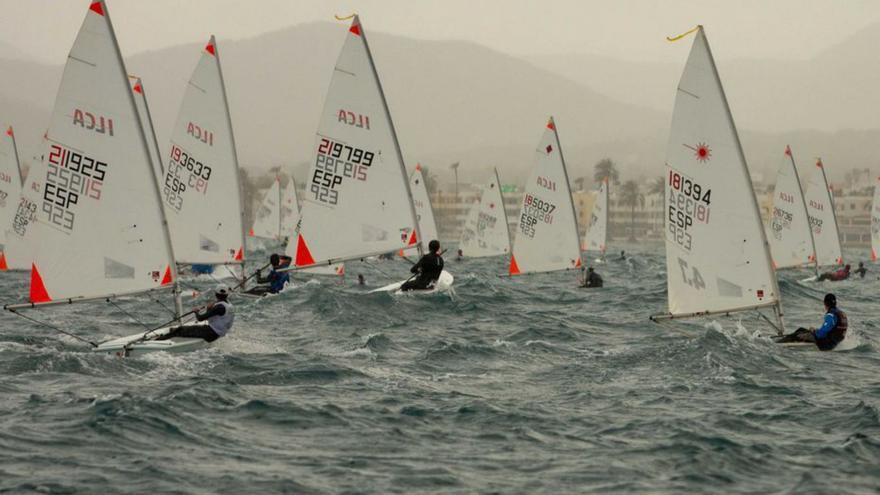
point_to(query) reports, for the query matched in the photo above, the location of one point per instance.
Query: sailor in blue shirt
(829, 335)
(275, 281)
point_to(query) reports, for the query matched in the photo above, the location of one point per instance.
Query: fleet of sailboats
(103, 215)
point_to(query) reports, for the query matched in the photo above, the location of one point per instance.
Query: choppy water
(515, 386)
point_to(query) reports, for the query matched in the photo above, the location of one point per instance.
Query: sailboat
(10, 196)
(823, 219)
(717, 255)
(99, 230)
(358, 202)
(267, 222)
(791, 238)
(201, 187)
(140, 99)
(485, 231)
(422, 203)
(289, 210)
(597, 233)
(875, 222)
(547, 237)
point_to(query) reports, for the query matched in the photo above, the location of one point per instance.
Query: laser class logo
(702, 151)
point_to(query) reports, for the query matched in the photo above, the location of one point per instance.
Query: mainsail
(597, 232)
(823, 219)
(547, 238)
(201, 183)
(422, 203)
(10, 191)
(357, 200)
(791, 239)
(717, 255)
(99, 224)
(875, 222)
(485, 231)
(140, 99)
(289, 210)
(267, 223)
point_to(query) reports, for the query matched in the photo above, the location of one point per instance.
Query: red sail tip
(419, 167)
(412, 239)
(819, 163)
(787, 150)
(167, 278)
(210, 48)
(577, 263)
(873, 255)
(303, 256)
(3, 265)
(9, 131)
(514, 268)
(239, 255)
(341, 270)
(551, 125)
(355, 29)
(251, 233)
(97, 7)
(38, 290)
(138, 88)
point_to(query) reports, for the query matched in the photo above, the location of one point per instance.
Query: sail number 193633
(688, 203)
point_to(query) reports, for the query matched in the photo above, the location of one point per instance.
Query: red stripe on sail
(38, 290)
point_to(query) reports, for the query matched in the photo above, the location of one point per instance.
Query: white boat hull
(134, 345)
(443, 284)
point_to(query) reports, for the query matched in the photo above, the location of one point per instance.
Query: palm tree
(606, 168)
(657, 186)
(632, 197)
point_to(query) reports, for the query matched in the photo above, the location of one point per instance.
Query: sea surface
(524, 385)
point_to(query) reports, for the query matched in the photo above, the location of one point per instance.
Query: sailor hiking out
(427, 270)
(218, 316)
(275, 281)
(829, 335)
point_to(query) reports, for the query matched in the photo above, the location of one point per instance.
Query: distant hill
(458, 101)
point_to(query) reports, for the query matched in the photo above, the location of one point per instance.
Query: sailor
(592, 279)
(832, 332)
(459, 256)
(219, 316)
(622, 255)
(275, 281)
(836, 276)
(361, 279)
(427, 270)
(861, 270)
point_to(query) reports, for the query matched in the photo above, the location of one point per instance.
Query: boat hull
(134, 345)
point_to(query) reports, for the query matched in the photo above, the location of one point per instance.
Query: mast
(404, 176)
(178, 305)
(234, 154)
(797, 179)
(754, 201)
(503, 211)
(577, 233)
(152, 126)
(833, 211)
(15, 153)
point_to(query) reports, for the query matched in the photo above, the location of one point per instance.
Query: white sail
(485, 231)
(875, 222)
(791, 239)
(547, 238)
(98, 227)
(201, 182)
(823, 219)
(19, 254)
(422, 203)
(597, 232)
(717, 256)
(140, 99)
(289, 210)
(267, 223)
(357, 199)
(10, 194)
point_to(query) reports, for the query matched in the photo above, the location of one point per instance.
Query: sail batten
(357, 200)
(92, 215)
(717, 253)
(547, 236)
(200, 185)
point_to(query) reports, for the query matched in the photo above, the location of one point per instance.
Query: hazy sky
(631, 29)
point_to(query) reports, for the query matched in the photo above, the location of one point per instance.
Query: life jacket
(221, 324)
(279, 279)
(837, 334)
